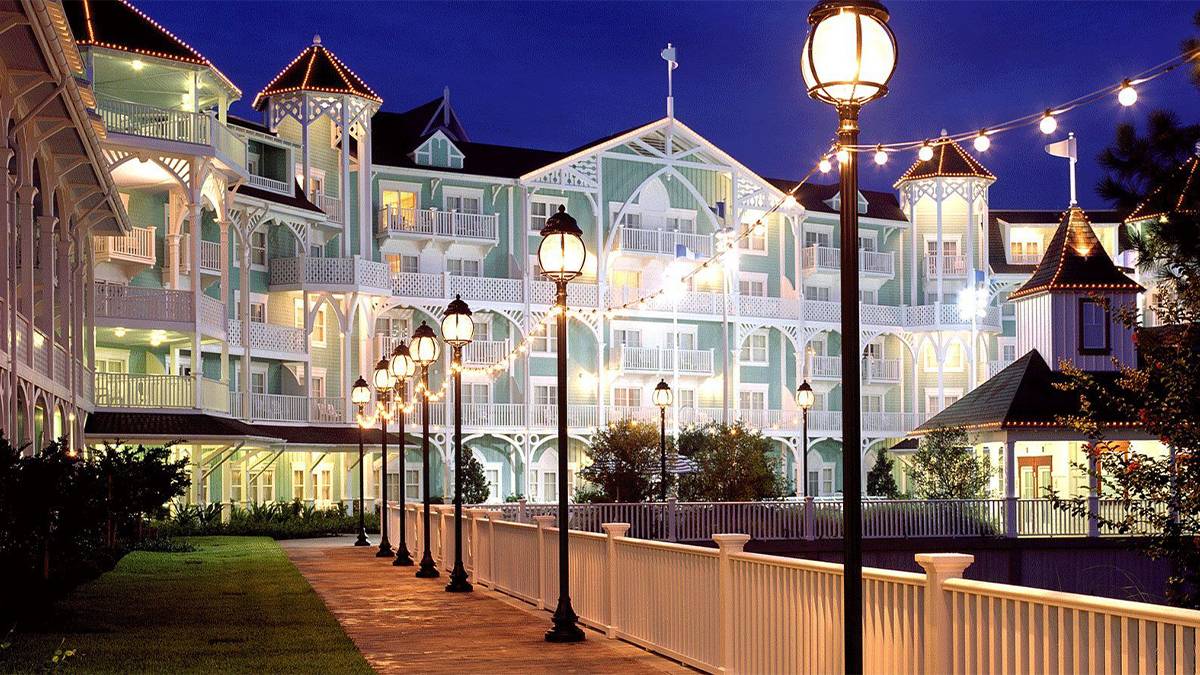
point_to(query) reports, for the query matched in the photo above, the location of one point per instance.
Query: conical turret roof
(1179, 194)
(949, 161)
(319, 70)
(1075, 260)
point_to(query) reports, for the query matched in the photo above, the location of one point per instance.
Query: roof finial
(316, 39)
(945, 133)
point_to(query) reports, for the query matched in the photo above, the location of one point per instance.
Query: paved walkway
(404, 624)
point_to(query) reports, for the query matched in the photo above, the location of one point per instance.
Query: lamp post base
(403, 559)
(362, 538)
(458, 580)
(566, 627)
(428, 570)
(385, 550)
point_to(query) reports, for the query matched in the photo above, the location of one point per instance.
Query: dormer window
(835, 203)
(1093, 327)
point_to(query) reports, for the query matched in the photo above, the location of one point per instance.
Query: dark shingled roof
(949, 160)
(250, 124)
(295, 200)
(184, 426)
(813, 197)
(997, 255)
(1022, 395)
(118, 25)
(1179, 194)
(314, 435)
(1075, 260)
(316, 69)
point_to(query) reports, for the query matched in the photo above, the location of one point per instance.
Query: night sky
(557, 75)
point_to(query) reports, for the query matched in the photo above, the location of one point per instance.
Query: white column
(194, 240)
(938, 568)
(244, 290)
(1010, 488)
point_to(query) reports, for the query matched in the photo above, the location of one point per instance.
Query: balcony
(330, 274)
(289, 408)
(880, 370)
(1024, 258)
(470, 227)
(827, 259)
(269, 340)
(138, 307)
(270, 184)
(952, 266)
(664, 242)
(332, 206)
(486, 352)
(181, 126)
(128, 390)
(660, 360)
(137, 247)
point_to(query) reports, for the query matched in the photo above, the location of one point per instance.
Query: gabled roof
(1075, 260)
(815, 197)
(949, 160)
(118, 25)
(1179, 194)
(997, 255)
(1023, 395)
(316, 69)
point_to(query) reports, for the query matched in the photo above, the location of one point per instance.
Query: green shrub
(278, 520)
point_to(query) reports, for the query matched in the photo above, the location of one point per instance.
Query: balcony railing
(951, 265)
(665, 242)
(282, 187)
(660, 360)
(332, 206)
(128, 390)
(997, 366)
(438, 223)
(289, 408)
(827, 258)
(485, 352)
(269, 337)
(880, 370)
(1024, 258)
(336, 272)
(210, 257)
(135, 303)
(137, 247)
(136, 119)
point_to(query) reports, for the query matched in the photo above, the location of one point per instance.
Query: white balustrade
(490, 289)
(143, 304)
(332, 206)
(41, 352)
(125, 117)
(827, 258)
(62, 365)
(282, 187)
(486, 352)
(826, 367)
(578, 294)
(353, 272)
(1024, 258)
(951, 265)
(881, 370)
(128, 390)
(439, 223)
(418, 285)
(210, 257)
(664, 242)
(269, 337)
(212, 316)
(137, 246)
(994, 367)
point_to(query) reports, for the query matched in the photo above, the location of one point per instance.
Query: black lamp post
(804, 399)
(402, 367)
(561, 256)
(383, 397)
(360, 395)
(424, 351)
(457, 328)
(848, 58)
(662, 399)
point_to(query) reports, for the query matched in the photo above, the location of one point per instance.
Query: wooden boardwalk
(404, 624)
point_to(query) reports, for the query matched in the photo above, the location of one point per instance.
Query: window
(545, 394)
(627, 338)
(954, 361)
(392, 328)
(298, 482)
(827, 480)
(627, 397)
(235, 485)
(752, 400)
(681, 223)
(820, 293)
(258, 248)
(258, 311)
(549, 484)
(933, 401)
(463, 202)
(324, 481)
(541, 208)
(316, 251)
(816, 238)
(754, 350)
(753, 242)
(685, 398)
(868, 297)
(1093, 327)
(460, 267)
(475, 393)
(866, 241)
(752, 287)
(412, 483)
(1008, 352)
(681, 340)
(626, 278)
(258, 382)
(533, 485)
(318, 327)
(483, 330)
(949, 247)
(266, 486)
(545, 339)
(872, 403)
(492, 476)
(631, 220)
(402, 264)
(399, 207)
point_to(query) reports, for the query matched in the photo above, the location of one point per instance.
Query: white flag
(1063, 148)
(668, 55)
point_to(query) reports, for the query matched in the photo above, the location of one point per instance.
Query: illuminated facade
(271, 263)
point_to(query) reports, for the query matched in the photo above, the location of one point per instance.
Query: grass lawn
(235, 605)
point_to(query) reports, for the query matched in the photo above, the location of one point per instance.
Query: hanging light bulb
(881, 156)
(760, 228)
(926, 152)
(843, 155)
(982, 142)
(825, 166)
(1127, 95)
(1048, 123)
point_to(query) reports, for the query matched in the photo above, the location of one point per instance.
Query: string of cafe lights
(1046, 120)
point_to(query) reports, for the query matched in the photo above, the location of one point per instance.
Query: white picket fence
(725, 610)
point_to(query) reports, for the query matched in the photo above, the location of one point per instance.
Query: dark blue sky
(556, 75)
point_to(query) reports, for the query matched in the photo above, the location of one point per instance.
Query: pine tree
(880, 479)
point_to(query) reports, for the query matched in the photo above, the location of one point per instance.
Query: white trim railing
(881, 369)
(952, 265)
(1024, 258)
(136, 119)
(485, 352)
(332, 206)
(829, 259)
(210, 257)
(353, 272)
(664, 242)
(726, 610)
(666, 360)
(137, 247)
(290, 408)
(269, 337)
(129, 390)
(270, 184)
(114, 301)
(439, 223)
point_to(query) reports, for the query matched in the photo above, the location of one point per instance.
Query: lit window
(460, 267)
(318, 333)
(298, 483)
(627, 338)
(626, 279)
(752, 287)
(541, 208)
(816, 239)
(627, 397)
(544, 339)
(755, 349)
(819, 293)
(1093, 327)
(753, 242)
(235, 484)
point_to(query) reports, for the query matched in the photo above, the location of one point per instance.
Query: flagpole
(1071, 141)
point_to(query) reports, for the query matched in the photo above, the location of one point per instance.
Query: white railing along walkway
(726, 610)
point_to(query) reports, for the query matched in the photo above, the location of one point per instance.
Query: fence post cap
(544, 521)
(494, 514)
(943, 563)
(731, 542)
(615, 529)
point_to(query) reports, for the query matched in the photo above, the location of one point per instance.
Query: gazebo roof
(1179, 194)
(949, 161)
(1075, 260)
(319, 70)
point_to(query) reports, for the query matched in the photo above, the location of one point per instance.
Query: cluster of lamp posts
(561, 257)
